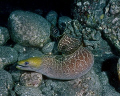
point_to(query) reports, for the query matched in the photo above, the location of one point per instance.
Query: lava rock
(28, 29)
(91, 37)
(31, 79)
(84, 85)
(111, 31)
(48, 48)
(63, 22)
(19, 48)
(16, 74)
(29, 53)
(113, 7)
(52, 17)
(78, 87)
(107, 90)
(22, 49)
(27, 91)
(89, 13)
(4, 35)
(6, 83)
(57, 88)
(8, 55)
(74, 28)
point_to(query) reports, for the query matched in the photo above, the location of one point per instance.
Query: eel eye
(26, 63)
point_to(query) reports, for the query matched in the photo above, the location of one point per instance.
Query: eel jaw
(27, 68)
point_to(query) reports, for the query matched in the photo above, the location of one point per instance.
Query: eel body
(63, 67)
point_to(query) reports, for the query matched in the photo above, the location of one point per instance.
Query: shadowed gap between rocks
(62, 7)
(110, 67)
(114, 50)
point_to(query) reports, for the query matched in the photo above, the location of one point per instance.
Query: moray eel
(64, 67)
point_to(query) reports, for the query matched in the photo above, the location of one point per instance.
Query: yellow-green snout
(34, 62)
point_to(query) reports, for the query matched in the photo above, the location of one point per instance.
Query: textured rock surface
(63, 22)
(28, 29)
(31, 79)
(73, 28)
(19, 48)
(15, 74)
(30, 53)
(91, 37)
(111, 31)
(89, 13)
(96, 20)
(27, 91)
(106, 68)
(113, 7)
(52, 17)
(22, 49)
(107, 90)
(79, 87)
(48, 48)
(84, 85)
(57, 88)
(4, 35)
(8, 55)
(6, 83)
(110, 25)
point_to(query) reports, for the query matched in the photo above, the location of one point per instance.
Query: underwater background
(75, 45)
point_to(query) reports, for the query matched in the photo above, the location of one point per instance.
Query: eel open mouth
(21, 67)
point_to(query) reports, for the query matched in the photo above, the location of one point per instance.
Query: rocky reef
(43, 31)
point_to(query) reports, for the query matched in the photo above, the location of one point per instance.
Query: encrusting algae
(63, 67)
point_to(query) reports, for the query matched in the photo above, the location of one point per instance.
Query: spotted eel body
(68, 44)
(67, 67)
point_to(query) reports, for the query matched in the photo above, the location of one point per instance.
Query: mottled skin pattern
(67, 67)
(68, 44)
(77, 61)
